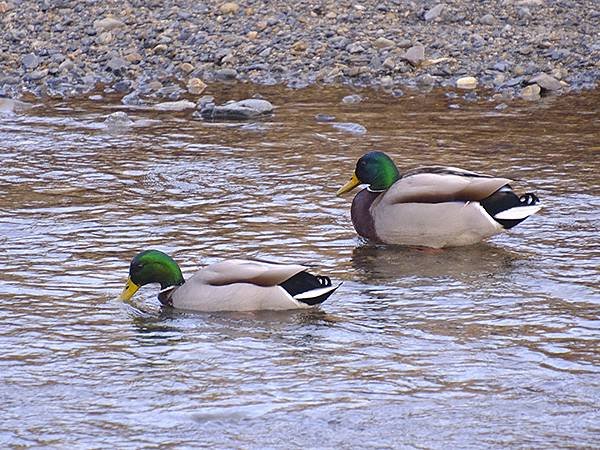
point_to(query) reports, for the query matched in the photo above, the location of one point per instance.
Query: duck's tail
(508, 209)
(308, 288)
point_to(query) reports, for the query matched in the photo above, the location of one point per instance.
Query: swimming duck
(230, 285)
(432, 206)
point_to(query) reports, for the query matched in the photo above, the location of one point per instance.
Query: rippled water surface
(494, 345)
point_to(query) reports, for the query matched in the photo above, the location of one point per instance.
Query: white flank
(315, 292)
(518, 212)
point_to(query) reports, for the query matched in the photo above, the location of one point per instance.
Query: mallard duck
(230, 285)
(432, 206)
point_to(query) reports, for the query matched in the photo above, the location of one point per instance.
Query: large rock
(546, 82)
(242, 110)
(180, 105)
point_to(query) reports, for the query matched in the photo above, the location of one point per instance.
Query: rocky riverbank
(171, 50)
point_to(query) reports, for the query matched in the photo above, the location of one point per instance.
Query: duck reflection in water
(380, 262)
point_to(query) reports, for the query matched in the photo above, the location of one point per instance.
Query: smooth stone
(180, 105)
(382, 42)
(433, 13)
(488, 19)
(352, 99)
(466, 83)
(531, 92)
(244, 109)
(37, 75)
(186, 67)
(324, 117)
(350, 127)
(546, 82)
(108, 23)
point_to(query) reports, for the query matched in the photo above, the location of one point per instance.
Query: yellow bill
(130, 289)
(354, 181)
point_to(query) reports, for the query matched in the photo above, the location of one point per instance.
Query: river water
(495, 345)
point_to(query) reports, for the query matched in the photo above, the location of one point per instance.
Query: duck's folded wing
(260, 273)
(430, 187)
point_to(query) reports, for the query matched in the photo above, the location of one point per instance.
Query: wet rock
(30, 61)
(118, 120)
(546, 82)
(241, 110)
(531, 92)
(352, 99)
(324, 117)
(204, 101)
(180, 105)
(433, 13)
(466, 83)
(350, 127)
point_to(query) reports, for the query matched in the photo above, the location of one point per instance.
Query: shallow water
(494, 345)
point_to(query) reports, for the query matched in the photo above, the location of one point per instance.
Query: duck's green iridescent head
(151, 266)
(375, 169)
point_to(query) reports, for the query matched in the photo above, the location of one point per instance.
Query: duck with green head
(230, 285)
(432, 206)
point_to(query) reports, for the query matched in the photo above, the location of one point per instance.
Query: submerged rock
(241, 110)
(118, 120)
(350, 127)
(10, 106)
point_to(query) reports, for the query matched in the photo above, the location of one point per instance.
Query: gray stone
(324, 117)
(433, 13)
(352, 99)
(226, 74)
(488, 19)
(107, 24)
(242, 110)
(118, 120)
(415, 55)
(382, 42)
(116, 64)
(546, 82)
(30, 61)
(531, 92)
(180, 105)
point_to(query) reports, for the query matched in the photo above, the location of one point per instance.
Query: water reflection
(389, 263)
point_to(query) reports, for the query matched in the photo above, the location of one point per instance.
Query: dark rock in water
(546, 82)
(324, 118)
(350, 127)
(242, 110)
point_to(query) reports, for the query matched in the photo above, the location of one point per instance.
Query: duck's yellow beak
(354, 181)
(130, 289)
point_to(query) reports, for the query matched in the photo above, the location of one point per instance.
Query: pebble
(352, 99)
(108, 23)
(415, 55)
(434, 13)
(531, 92)
(382, 42)
(226, 74)
(229, 8)
(324, 117)
(118, 120)
(196, 86)
(466, 83)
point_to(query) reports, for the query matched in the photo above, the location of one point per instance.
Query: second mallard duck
(432, 206)
(230, 285)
